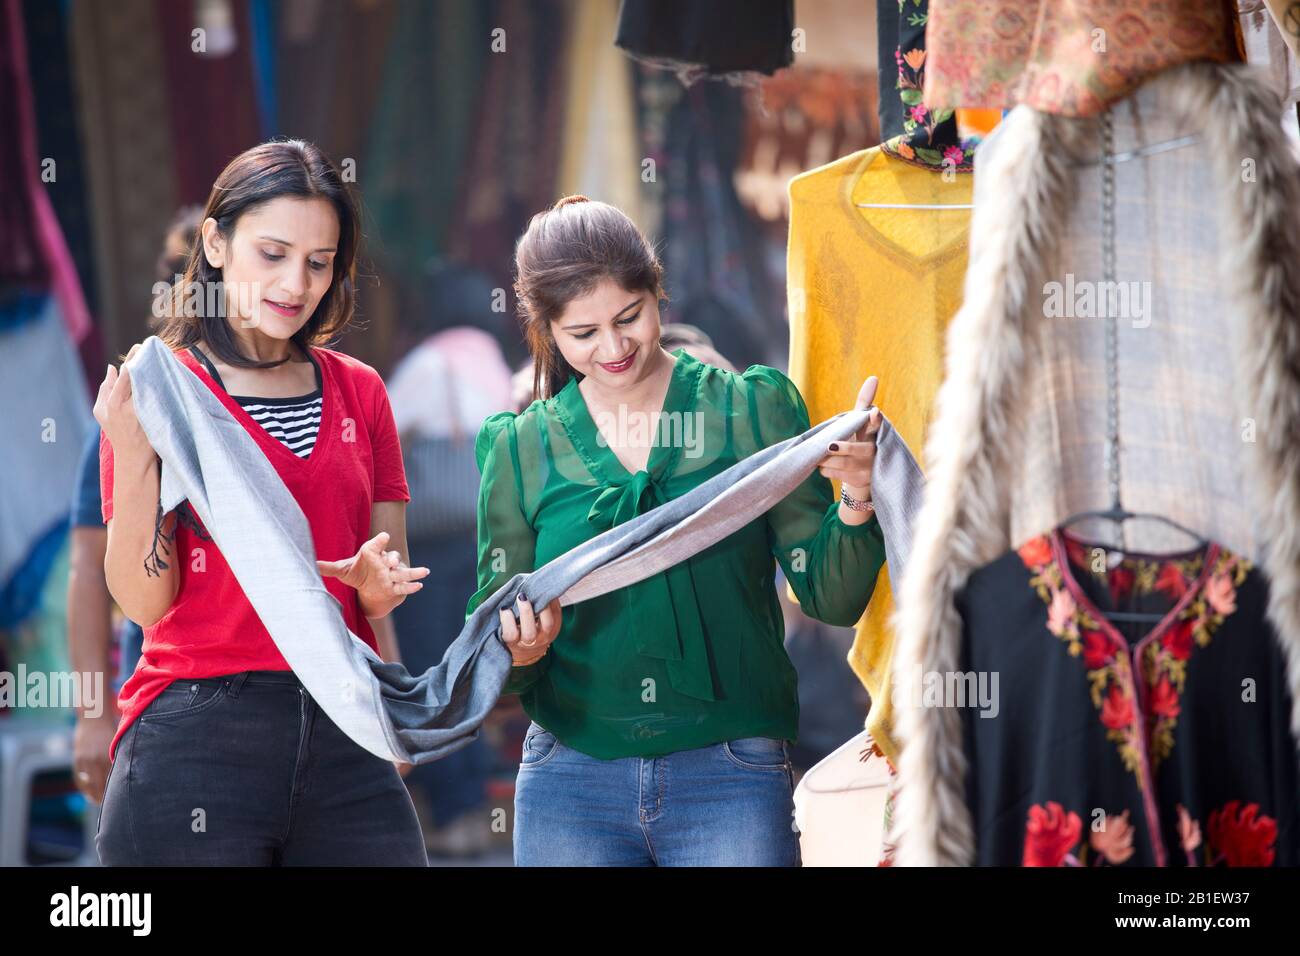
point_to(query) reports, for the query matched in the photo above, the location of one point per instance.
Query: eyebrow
(290, 244)
(592, 325)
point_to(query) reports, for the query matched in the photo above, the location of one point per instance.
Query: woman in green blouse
(661, 712)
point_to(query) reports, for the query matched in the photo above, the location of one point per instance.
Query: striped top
(294, 422)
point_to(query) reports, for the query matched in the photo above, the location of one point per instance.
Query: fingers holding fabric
(529, 637)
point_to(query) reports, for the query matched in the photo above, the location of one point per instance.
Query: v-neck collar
(571, 408)
(271, 446)
(1193, 588)
(879, 177)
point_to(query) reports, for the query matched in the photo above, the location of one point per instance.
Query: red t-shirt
(211, 629)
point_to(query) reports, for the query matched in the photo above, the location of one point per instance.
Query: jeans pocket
(757, 753)
(539, 745)
(183, 698)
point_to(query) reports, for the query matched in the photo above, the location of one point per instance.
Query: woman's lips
(621, 366)
(288, 311)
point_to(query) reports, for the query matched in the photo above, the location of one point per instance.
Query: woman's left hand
(850, 462)
(381, 580)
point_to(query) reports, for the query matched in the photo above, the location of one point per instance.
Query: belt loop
(237, 683)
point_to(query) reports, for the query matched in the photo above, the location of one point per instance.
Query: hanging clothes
(1127, 744)
(49, 61)
(32, 248)
(1074, 59)
(600, 154)
(735, 40)
(871, 292)
(714, 254)
(1207, 282)
(47, 413)
(514, 143)
(927, 136)
(416, 155)
(131, 180)
(216, 83)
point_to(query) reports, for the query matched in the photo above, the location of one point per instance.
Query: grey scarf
(209, 459)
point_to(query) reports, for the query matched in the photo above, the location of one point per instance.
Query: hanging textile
(30, 231)
(47, 413)
(117, 53)
(714, 254)
(262, 27)
(890, 105)
(415, 160)
(1208, 287)
(58, 137)
(514, 148)
(207, 456)
(928, 137)
(871, 292)
(211, 92)
(1162, 744)
(735, 40)
(1068, 58)
(798, 120)
(599, 145)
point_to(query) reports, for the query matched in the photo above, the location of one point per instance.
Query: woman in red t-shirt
(222, 757)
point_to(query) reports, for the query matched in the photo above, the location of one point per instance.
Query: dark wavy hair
(565, 252)
(256, 176)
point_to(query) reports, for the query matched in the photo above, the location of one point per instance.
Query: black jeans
(246, 770)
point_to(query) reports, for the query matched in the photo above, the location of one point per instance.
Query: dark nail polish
(835, 446)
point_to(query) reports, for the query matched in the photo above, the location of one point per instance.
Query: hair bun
(577, 197)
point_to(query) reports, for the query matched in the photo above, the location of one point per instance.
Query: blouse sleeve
(831, 566)
(506, 541)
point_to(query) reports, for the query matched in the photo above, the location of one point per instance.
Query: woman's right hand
(115, 412)
(529, 638)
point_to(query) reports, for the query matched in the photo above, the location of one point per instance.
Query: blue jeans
(247, 770)
(729, 804)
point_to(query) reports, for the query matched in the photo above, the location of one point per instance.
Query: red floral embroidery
(1178, 639)
(1117, 711)
(1163, 668)
(1050, 835)
(1240, 836)
(1172, 580)
(1164, 700)
(1098, 649)
(1036, 552)
(1114, 841)
(1121, 583)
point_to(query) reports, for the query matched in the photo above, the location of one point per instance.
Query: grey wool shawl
(209, 459)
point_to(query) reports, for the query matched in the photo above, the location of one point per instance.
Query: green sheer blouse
(695, 655)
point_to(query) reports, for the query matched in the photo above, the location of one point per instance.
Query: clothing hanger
(1107, 158)
(908, 205)
(1117, 513)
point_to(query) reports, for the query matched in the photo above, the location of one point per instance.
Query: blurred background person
(90, 617)
(441, 391)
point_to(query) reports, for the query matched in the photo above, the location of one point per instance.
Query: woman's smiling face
(277, 265)
(609, 335)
